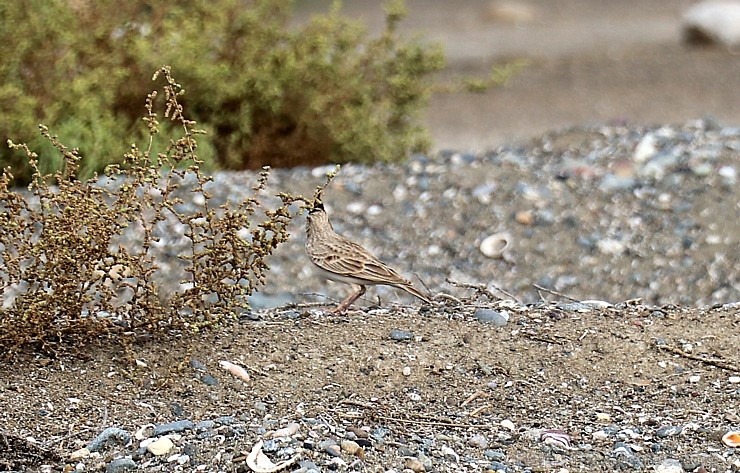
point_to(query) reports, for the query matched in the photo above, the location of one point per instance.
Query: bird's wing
(346, 258)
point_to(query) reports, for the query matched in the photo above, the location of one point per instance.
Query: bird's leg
(348, 301)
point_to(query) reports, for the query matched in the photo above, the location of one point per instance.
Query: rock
(79, 454)
(178, 426)
(609, 246)
(160, 446)
(401, 335)
(626, 455)
(668, 431)
(414, 465)
(645, 149)
(713, 22)
(120, 465)
(109, 435)
(669, 465)
(490, 316)
(478, 441)
(350, 446)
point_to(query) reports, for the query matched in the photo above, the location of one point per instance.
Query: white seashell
(144, 431)
(494, 246)
(259, 463)
(508, 425)
(556, 438)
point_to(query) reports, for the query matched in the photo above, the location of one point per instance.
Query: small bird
(340, 259)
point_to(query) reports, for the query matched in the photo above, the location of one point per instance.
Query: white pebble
(160, 447)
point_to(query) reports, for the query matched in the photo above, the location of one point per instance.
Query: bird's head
(318, 206)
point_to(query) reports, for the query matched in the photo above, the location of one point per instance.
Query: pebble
(668, 431)
(478, 441)
(120, 465)
(160, 446)
(79, 454)
(350, 446)
(626, 455)
(401, 335)
(669, 465)
(108, 436)
(490, 316)
(177, 426)
(414, 465)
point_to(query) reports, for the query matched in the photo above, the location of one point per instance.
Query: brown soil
(548, 368)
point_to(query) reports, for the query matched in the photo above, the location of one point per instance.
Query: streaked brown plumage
(342, 260)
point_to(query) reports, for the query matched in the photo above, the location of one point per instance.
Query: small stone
(333, 450)
(498, 467)
(120, 465)
(109, 435)
(494, 455)
(414, 465)
(178, 426)
(694, 379)
(603, 417)
(625, 454)
(490, 316)
(350, 446)
(478, 441)
(406, 371)
(668, 431)
(734, 379)
(79, 454)
(160, 447)
(450, 454)
(401, 335)
(524, 217)
(610, 246)
(645, 149)
(669, 465)
(426, 462)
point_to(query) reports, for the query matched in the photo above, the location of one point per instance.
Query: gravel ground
(630, 363)
(608, 213)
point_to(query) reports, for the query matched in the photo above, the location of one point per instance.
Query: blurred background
(589, 61)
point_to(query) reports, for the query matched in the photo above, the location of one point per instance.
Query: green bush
(78, 259)
(266, 92)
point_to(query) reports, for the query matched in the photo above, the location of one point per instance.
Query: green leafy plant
(270, 93)
(79, 258)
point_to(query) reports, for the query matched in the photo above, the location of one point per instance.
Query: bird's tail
(415, 292)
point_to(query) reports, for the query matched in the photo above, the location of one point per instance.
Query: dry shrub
(67, 265)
